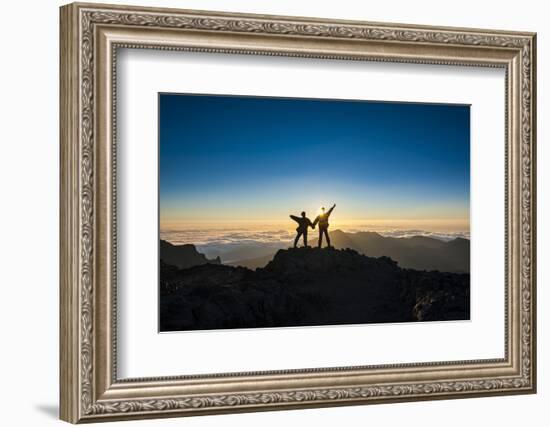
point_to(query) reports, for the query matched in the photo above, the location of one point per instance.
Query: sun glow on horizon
(428, 224)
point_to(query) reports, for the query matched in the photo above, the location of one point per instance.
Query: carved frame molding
(90, 36)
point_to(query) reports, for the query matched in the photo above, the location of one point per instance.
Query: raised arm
(330, 210)
(295, 218)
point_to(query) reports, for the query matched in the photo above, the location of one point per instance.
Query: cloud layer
(235, 243)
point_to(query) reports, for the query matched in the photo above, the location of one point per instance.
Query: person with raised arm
(322, 220)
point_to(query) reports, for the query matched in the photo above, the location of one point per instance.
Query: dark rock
(306, 286)
(183, 256)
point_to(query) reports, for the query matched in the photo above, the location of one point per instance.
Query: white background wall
(29, 171)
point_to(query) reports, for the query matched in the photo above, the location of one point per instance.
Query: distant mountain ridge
(183, 256)
(417, 252)
(306, 286)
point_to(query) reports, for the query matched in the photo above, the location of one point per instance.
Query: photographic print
(281, 212)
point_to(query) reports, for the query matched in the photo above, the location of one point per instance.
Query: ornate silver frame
(90, 36)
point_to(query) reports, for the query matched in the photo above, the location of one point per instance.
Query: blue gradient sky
(226, 159)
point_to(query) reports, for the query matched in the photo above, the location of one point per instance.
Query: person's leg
(305, 239)
(298, 234)
(320, 237)
(323, 233)
(328, 238)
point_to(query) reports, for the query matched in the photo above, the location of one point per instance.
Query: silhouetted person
(322, 219)
(303, 223)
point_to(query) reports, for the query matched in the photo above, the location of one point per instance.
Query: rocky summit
(308, 286)
(183, 256)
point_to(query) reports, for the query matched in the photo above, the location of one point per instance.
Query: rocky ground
(305, 286)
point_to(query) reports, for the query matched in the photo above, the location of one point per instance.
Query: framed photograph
(266, 212)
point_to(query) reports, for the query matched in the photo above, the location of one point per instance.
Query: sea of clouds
(225, 236)
(403, 233)
(233, 244)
